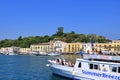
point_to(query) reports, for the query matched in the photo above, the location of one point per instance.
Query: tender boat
(11, 53)
(53, 54)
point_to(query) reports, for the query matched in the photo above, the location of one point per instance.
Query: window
(95, 66)
(91, 66)
(114, 69)
(79, 66)
(118, 69)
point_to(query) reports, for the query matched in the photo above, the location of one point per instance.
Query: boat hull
(62, 73)
(65, 71)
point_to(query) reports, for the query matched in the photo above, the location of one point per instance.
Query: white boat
(42, 54)
(91, 67)
(11, 53)
(53, 54)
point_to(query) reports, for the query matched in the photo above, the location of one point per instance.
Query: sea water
(26, 67)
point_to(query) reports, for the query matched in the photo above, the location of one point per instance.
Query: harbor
(60, 40)
(26, 67)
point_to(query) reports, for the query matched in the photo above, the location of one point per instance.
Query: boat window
(79, 66)
(118, 69)
(95, 66)
(91, 66)
(114, 69)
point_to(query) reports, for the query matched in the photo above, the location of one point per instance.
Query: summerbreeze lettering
(112, 77)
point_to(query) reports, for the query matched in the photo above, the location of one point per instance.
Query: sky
(43, 17)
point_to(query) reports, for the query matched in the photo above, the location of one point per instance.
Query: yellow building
(72, 48)
(113, 46)
(41, 47)
(25, 50)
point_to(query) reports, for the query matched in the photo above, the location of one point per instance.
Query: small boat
(53, 54)
(11, 53)
(42, 54)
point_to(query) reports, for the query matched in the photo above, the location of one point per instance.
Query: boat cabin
(98, 68)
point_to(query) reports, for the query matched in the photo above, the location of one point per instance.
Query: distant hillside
(67, 37)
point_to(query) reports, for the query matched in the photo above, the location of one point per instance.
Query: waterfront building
(72, 48)
(58, 46)
(85, 47)
(113, 46)
(25, 50)
(9, 50)
(41, 47)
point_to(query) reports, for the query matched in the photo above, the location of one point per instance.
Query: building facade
(85, 47)
(9, 50)
(25, 50)
(58, 46)
(113, 46)
(72, 48)
(41, 47)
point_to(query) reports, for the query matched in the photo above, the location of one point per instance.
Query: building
(85, 47)
(113, 46)
(9, 50)
(72, 48)
(58, 46)
(25, 50)
(41, 47)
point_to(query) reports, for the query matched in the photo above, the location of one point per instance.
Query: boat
(12, 54)
(42, 54)
(53, 54)
(93, 66)
(37, 53)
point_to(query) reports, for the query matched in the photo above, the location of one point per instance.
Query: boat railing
(101, 56)
(63, 62)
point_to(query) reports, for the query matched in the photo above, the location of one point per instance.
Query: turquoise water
(23, 67)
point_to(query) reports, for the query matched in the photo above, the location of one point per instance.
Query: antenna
(92, 42)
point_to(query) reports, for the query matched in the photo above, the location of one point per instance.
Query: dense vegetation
(67, 37)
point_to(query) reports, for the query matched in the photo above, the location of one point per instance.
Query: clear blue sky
(43, 17)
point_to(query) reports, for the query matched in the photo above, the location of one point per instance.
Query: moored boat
(53, 54)
(91, 67)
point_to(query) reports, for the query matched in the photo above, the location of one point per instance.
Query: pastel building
(25, 50)
(72, 48)
(9, 50)
(41, 47)
(85, 47)
(58, 46)
(113, 46)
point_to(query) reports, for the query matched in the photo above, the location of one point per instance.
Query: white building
(86, 47)
(58, 46)
(9, 50)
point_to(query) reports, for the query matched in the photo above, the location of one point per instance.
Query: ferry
(93, 66)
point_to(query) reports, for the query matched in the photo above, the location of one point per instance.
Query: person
(104, 68)
(57, 60)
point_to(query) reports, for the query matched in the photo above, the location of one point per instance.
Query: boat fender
(73, 72)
